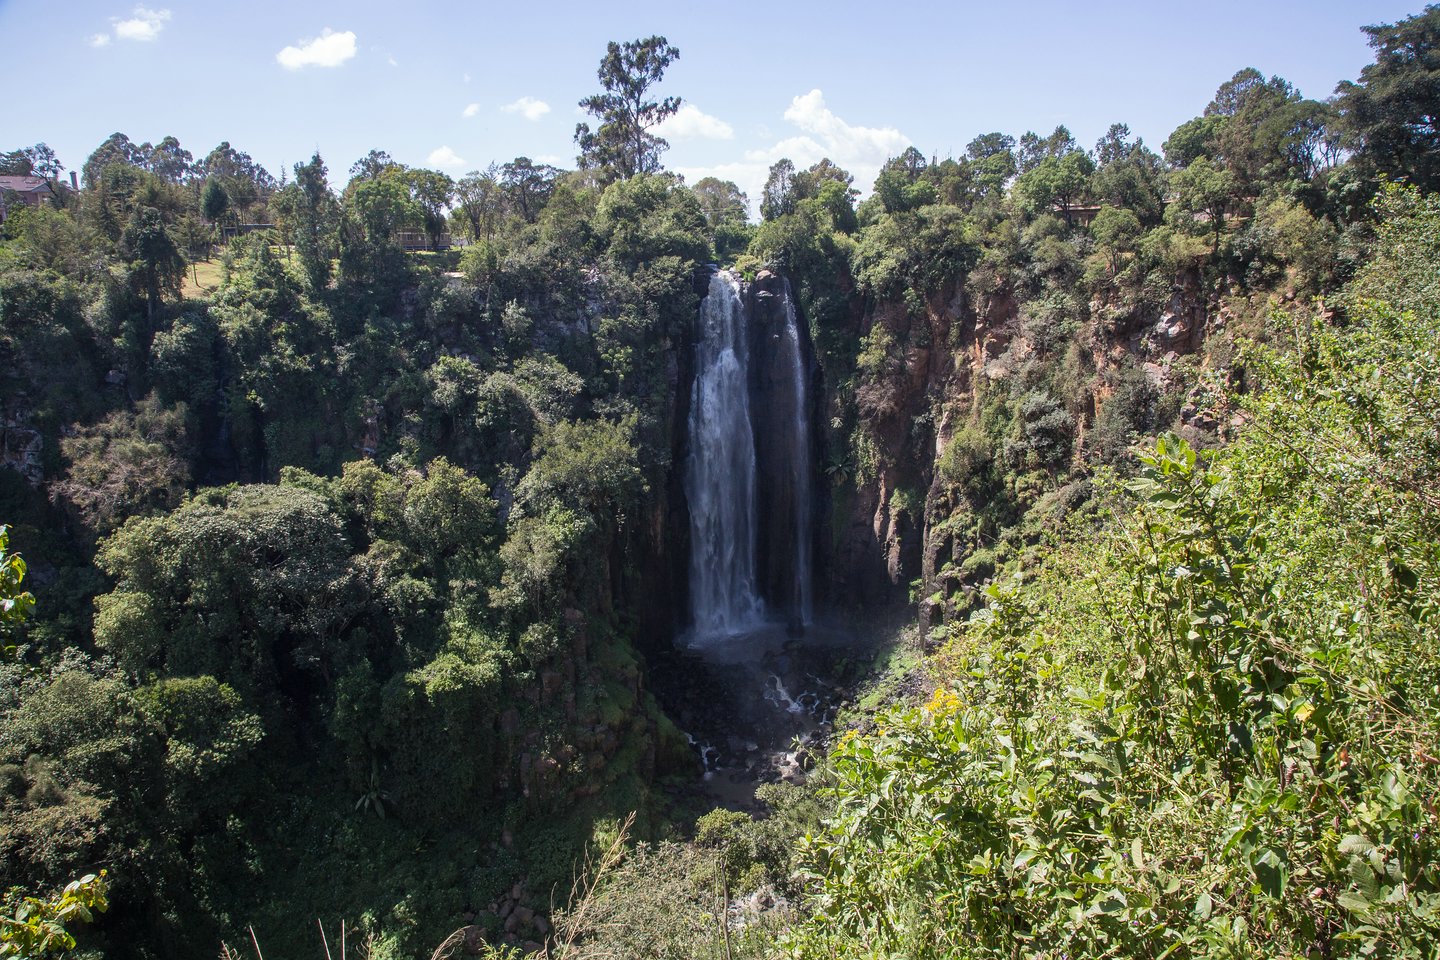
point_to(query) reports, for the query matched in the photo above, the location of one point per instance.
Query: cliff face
(918, 517)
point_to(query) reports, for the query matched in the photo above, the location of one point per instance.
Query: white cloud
(470, 110)
(144, 24)
(99, 40)
(330, 49)
(466, 78)
(860, 150)
(859, 145)
(528, 107)
(445, 157)
(392, 61)
(691, 122)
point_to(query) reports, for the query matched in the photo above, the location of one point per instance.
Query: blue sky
(457, 85)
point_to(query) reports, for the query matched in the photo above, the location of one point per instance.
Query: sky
(456, 86)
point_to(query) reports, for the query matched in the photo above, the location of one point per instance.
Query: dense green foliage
(37, 928)
(1207, 728)
(346, 560)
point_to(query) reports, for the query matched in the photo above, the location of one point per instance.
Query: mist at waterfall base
(750, 677)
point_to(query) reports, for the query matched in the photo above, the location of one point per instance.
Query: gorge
(1085, 494)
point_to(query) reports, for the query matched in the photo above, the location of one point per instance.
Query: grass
(207, 273)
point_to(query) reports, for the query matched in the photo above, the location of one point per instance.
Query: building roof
(25, 184)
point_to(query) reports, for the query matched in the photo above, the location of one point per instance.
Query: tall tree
(157, 264)
(1035, 148)
(169, 161)
(36, 161)
(1056, 182)
(214, 201)
(372, 165)
(726, 211)
(1392, 115)
(117, 148)
(246, 182)
(314, 216)
(431, 190)
(481, 202)
(527, 185)
(623, 142)
(1130, 175)
(779, 196)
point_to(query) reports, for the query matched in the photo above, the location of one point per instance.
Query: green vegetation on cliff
(347, 570)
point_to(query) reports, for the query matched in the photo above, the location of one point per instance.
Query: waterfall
(720, 471)
(800, 461)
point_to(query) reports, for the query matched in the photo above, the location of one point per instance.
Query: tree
(989, 165)
(527, 186)
(127, 464)
(726, 211)
(314, 215)
(1115, 145)
(214, 201)
(1056, 181)
(246, 181)
(169, 161)
(900, 184)
(431, 191)
(1203, 190)
(1130, 174)
(117, 148)
(480, 200)
(1392, 115)
(1035, 148)
(623, 143)
(1192, 139)
(374, 211)
(811, 181)
(244, 584)
(1116, 231)
(36, 161)
(372, 165)
(779, 196)
(1264, 132)
(159, 267)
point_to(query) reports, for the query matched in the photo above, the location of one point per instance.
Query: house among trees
(31, 191)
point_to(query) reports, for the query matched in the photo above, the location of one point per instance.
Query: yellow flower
(942, 703)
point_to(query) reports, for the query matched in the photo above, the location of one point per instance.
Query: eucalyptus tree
(623, 144)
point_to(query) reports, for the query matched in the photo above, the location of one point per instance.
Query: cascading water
(800, 461)
(749, 479)
(720, 471)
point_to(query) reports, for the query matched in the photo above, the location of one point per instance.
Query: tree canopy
(622, 144)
